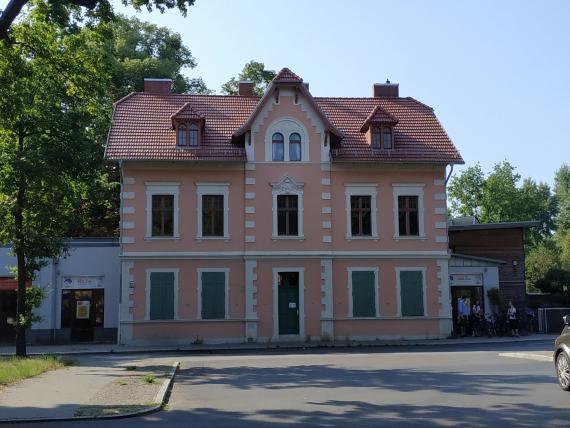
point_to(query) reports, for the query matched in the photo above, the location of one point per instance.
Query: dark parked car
(562, 356)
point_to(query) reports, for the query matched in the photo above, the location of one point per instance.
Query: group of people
(473, 320)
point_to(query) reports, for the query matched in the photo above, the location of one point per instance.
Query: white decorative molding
(326, 196)
(128, 180)
(443, 287)
(226, 272)
(326, 166)
(287, 125)
(127, 239)
(327, 224)
(327, 238)
(441, 239)
(438, 182)
(250, 224)
(441, 225)
(287, 186)
(364, 189)
(326, 210)
(374, 269)
(128, 225)
(162, 188)
(128, 210)
(440, 210)
(249, 180)
(423, 269)
(409, 189)
(249, 166)
(249, 238)
(327, 313)
(250, 300)
(440, 196)
(125, 331)
(128, 195)
(249, 195)
(212, 188)
(325, 181)
(249, 210)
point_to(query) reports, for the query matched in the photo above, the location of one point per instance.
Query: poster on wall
(82, 282)
(82, 309)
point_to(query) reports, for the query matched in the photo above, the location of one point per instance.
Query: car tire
(563, 371)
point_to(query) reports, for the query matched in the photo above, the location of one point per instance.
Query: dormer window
(188, 135)
(387, 137)
(376, 143)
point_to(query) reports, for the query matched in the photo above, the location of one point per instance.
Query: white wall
(490, 276)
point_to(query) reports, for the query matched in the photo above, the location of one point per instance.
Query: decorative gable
(287, 185)
(186, 114)
(379, 116)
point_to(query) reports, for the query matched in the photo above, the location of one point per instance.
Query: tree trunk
(19, 225)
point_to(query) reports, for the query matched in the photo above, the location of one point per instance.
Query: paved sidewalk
(59, 393)
(86, 348)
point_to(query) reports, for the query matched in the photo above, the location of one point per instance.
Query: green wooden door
(412, 293)
(363, 294)
(213, 295)
(288, 306)
(161, 295)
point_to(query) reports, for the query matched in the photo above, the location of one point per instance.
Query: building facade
(281, 217)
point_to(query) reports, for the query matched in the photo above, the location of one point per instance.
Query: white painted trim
(327, 238)
(250, 166)
(249, 180)
(423, 269)
(166, 188)
(326, 210)
(287, 125)
(442, 239)
(212, 188)
(440, 196)
(128, 210)
(250, 224)
(440, 210)
(438, 182)
(250, 300)
(287, 186)
(127, 239)
(441, 225)
(226, 271)
(409, 189)
(249, 238)
(327, 224)
(249, 210)
(325, 196)
(376, 271)
(249, 195)
(444, 289)
(128, 195)
(325, 181)
(301, 272)
(128, 224)
(162, 183)
(364, 189)
(128, 180)
(148, 271)
(180, 255)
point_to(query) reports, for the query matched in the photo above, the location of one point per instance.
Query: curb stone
(160, 399)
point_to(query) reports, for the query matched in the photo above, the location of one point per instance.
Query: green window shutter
(161, 295)
(412, 293)
(213, 295)
(363, 295)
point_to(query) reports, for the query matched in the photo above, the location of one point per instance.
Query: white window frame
(162, 188)
(214, 188)
(226, 271)
(276, 272)
(423, 269)
(409, 189)
(176, 271)
(287, 125)
(364, 189)
(287, 186)
(376, 271)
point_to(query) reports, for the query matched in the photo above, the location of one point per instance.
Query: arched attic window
(194, 135)
(278, 143)
(387, 137)
(295, 147)
(376, 144)
(182, 139)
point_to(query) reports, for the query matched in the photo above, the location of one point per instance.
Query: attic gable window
(376, 138)
(382, 137)
(188, 135)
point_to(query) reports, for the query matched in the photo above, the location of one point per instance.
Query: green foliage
(538, 261)
(556, 280)
(562, 192)
(149, 379)
(254, 71)
(13, 369)
(33, 300)
(500, 197)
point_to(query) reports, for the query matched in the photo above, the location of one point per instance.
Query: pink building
(282, 217)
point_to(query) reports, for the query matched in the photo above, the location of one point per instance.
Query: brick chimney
(385, 90)
(245, 88)
(158, 86)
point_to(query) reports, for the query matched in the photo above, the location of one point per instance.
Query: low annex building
(281, 217)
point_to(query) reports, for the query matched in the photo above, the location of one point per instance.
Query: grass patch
(130, 368)
(13, 369)
(149, 378)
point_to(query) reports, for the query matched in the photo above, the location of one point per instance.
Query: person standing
(512, 316)
(463, 313)
(476, 314)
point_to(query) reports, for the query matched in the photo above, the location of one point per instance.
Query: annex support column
(250, 300)
(327, 323)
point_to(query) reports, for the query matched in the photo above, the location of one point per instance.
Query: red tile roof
(286, 75)
(142, 128)
(378, 115)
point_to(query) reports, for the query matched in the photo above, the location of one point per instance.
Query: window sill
(364, 318)
(162, 238)
(288, 238)
(361, 238)
(213, 238)
(410, 238)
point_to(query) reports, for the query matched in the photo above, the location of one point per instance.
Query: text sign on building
(82, 282)
(466, 279)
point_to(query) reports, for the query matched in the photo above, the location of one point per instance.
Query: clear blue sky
(497, 73)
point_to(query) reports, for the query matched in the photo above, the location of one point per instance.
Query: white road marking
(526, 356)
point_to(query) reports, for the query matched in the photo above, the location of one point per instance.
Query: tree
(562, 192)
(556, 280)
(59, 10)
(540, 259)
(254, 71)
(499, 197)
(52, 92)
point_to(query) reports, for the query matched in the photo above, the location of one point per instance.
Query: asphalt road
(468, 386)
